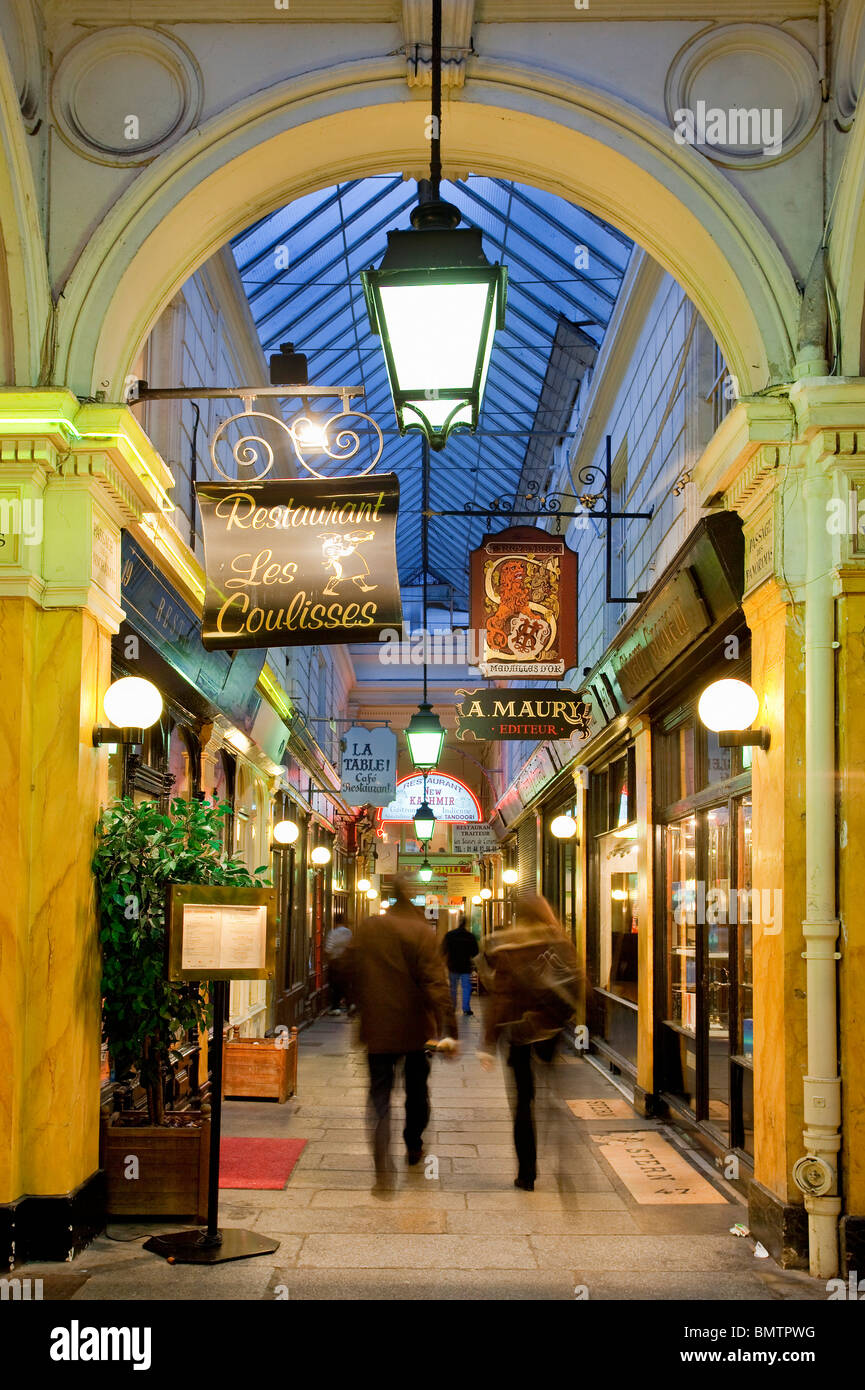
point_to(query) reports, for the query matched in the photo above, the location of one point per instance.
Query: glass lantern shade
(285, 832)
(425, 738)
(424, 822)
(436, 303)
(132, 703)
(425, 872)
(728, 704)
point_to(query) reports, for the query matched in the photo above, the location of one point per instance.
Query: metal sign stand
(213, 1246)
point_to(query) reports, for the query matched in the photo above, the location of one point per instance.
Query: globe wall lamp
(320, 856)
(486, 894)
(285, 833)
(372, 894)
(477, 900)
(131, 705)
(510, 877)
(729, 708)
(363, 885)
(564, 827)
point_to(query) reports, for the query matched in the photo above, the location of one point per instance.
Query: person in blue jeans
(459, 949)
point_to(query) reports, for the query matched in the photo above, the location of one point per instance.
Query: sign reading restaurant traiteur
(524, 599)
(474, 839)
(299, 563)
(368, 767)
(522, 714)
(449, 798)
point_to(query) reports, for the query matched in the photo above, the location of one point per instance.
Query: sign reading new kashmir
(368, 767)
(298, 563)
(524, 599)
(522, 714)
(449, 798)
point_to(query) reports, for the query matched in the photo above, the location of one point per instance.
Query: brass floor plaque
(654, 1172)
(602, 1109)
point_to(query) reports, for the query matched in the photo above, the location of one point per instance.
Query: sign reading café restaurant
(299, 562)
(368, 767)
(522, 714)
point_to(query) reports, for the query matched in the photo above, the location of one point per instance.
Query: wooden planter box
(263, 1068)
(173, 1167)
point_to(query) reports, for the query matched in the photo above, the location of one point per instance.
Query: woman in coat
(532, 980)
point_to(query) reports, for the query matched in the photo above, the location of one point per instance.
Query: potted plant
(155, 1162)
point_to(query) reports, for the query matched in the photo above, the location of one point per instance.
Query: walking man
(459, 949)
(397, 980)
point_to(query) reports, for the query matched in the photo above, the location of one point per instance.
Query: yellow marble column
(778, 862)
(646, 938)
(71, 477)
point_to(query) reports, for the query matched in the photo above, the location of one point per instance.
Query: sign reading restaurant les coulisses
(299, 562)
(522, 714)
(368, 767)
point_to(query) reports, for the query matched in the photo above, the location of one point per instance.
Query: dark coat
(459, 949)
(532, 979)
(397, 979)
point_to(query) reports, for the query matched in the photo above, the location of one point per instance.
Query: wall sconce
(729, 708)
(131, 705)
(320, 856)
(363, 885)
(285, 833)
(372, 894)
(486, 894)
(510, 877)
(477, 900)
(564, 827)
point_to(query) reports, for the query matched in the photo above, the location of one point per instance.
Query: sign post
(218, 934)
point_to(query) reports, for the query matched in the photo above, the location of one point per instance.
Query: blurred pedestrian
(397, 979)
(336, 944)
(459, 949)
(532, 979)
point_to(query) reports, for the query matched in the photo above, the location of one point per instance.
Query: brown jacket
(532, 979)
(397, 980)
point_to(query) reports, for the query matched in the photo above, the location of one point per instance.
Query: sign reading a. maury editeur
(522, 714)
(299, 562)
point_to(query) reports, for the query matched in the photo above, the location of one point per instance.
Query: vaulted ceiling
(301, 271)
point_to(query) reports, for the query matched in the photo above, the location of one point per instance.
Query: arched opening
(598, 155)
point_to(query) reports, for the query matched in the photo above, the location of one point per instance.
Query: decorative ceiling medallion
(122, 96)
(744, 95)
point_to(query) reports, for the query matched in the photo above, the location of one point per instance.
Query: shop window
(179, 763)
(681, 911)
(719, 761)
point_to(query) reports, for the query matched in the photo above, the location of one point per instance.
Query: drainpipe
(817, 1173)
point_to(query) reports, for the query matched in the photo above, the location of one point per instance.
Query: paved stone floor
(465, 1234)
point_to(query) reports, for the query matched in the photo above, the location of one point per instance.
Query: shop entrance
(704, 977)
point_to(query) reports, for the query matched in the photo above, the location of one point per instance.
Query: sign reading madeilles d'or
(299, 562)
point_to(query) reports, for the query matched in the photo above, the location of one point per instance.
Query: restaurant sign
(523, 585)
(368, 767)
(299, 562)
(523, 714)
(449, 798)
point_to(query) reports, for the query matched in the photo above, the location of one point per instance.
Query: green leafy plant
(139, 851)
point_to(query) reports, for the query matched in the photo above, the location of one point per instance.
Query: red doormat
(258, 1162)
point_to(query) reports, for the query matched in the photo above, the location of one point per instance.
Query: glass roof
(301, 267)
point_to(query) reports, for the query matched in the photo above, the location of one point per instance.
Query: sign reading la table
(368, 767)
(299, 562)
(522, 714)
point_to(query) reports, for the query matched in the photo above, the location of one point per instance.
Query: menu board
(223, 938)
(221, 933)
